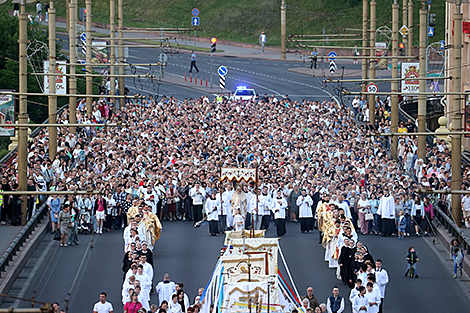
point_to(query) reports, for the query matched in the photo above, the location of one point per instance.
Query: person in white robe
(165, 289)
(373, 299)
(386, 212)
(174, 306)
(144, 279)
(264, 208)
(226, 208)
(360, 303)
(279, 206)
(212, 210)
(144, 297)
(305, 202)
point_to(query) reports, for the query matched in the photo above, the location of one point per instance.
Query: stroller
(85, 225)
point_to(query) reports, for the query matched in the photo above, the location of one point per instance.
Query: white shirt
(465, 203)
(382, 280)
(212, 209)
(304, 203)
(165, 290)
(387, 207)
(264, 204)
(358, 302)
(103, 307)
(197, 195)
(174, 307)
(279, 209)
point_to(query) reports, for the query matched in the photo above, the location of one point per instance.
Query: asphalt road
(80, 273)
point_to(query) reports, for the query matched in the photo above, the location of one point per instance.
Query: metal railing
(20, 239)
(12, 154)
(452, 228)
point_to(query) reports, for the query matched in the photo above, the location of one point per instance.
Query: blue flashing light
(241, 87)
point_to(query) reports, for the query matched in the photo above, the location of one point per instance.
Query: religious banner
(60, 80)
(251, 297)
(238, 174)
(257, 247)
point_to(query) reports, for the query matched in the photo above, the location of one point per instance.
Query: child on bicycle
(412, 258)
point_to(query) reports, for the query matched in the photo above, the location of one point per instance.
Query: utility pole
(405, 22)
(422, 83)
(283, 29)
(89, 67)
(112, 33)
(410, 30)
(456, 114)
(365, 7)
(23, 110)
(73, 59)
(373, 6)
(120, 55)
(394, 85)
(52, 90)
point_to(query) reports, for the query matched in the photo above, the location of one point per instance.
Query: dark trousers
(213, 227)
(198, 212)
(124, 219)
(388, 226)
(117, 222)
(265, 221)
(30, 208)
(193, 64)
(305, 224)
(248, 221)
(280, 226)
(222, 223)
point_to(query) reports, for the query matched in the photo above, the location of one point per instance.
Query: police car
(244, 93)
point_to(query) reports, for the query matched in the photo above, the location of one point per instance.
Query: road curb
(13, 270)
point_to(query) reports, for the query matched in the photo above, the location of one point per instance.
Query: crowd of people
(316, 166)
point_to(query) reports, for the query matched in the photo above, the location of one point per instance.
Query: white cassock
(373, 297)
(144, 300)
(264, 204)
(238, 222)
(344, 205)
(142, 231)
(382, 280)
(148, 270)
(164, 291)
(126, 297)
(387, 207)
(212, 209)
(153, 205)
(305, 206)
(227, 206)
(359, 302)
(145, 283)
(279, 209)
(174, 307)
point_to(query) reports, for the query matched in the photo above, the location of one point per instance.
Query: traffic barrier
(185, 77)
(201, 81)
(206, 82)
(195, 79)
(190, 78)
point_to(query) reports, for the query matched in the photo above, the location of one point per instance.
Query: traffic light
(432, 20)
(401, 49)
(213, 44)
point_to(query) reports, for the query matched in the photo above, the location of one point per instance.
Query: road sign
(332, 67)
(372, 88)
(332, 55)
(222, 70)
(195, 12)
(430, 31)
(404, 31)
(442, 44)
(221, 82)
(83, 36)
(195, 21)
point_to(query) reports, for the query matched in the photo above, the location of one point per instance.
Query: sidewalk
(7, 234)
(238, 50)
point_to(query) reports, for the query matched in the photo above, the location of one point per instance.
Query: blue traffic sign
(195, 21)
(83, 36)
(442, 44)
(195, 12)
(222, 70)
(430, 31)
(332, 55)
